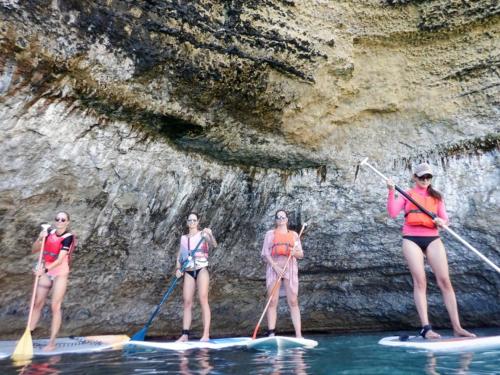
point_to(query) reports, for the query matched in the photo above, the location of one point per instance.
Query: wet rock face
(130, 115)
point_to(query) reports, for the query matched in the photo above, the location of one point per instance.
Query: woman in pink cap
(421, 240)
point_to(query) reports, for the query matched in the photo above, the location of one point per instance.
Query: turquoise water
(335, 354)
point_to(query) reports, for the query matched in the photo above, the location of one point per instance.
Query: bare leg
(44, 285)
(293, 304)
(203, 281)
(58, 292)
(187, 293)
(415, 260)
(273, 307)
(436, 255)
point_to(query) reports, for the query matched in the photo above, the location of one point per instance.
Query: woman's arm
(266, 252)
(37, 245)
(297, 251)
(60, 258)
(394, 205)
(442, 218)
(209, 237)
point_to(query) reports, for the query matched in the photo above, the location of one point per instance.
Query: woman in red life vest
(279, 243)
(196, 274)
(421, 240)
(53, 273)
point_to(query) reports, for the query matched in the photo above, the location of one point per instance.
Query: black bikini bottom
(194, 274)
(422, 242)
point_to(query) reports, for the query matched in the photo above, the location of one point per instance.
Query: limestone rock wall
(130, 114)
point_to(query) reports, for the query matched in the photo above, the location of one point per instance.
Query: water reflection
(195, 362)
(435, 366)
(43, 367)
(283, 362)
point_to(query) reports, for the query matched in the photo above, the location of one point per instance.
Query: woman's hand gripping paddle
(141, 335)
(275, 287)
(364, 162)
(24, 347)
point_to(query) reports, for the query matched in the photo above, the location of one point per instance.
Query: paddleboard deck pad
(281, 342)
(181, 346)
(66, 345)
(444, 343)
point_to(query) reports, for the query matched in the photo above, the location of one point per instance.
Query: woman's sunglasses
(425, 177)
(60, 219)
(280, 217)
(192, 220)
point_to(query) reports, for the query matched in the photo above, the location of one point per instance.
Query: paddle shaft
(24, 347)
(433, 216)
(275, 287)
(35, 284)
(173, 284)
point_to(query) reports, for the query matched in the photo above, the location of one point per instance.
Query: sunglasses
(192, 220)
(425, 177)
(60, 219)
(281, 217)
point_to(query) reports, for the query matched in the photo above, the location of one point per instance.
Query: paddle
(141, 335)
(275, 287)
(24, 347)
(433, 216)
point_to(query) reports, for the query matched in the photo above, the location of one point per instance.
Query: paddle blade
(141, 335)
(24, 348)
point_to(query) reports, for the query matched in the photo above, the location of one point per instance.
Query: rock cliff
(130, 114)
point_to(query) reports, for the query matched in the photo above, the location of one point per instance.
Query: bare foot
(460, 332)
(205, 339)
(299, 336)
(432, 335)
(50, 346)
(183, 338)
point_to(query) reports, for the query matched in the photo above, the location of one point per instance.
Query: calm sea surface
(335, 354)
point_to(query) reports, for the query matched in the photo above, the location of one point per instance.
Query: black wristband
(46, 270)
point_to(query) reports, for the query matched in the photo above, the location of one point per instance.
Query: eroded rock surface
(130, 114)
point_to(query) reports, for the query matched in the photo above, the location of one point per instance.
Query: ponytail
(434, 193)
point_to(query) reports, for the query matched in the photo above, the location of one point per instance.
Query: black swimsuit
(421, 241)
(194, 274)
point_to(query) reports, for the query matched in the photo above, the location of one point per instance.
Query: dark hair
(63, 212)
(433, 192)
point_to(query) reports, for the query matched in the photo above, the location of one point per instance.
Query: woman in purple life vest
(54, 272)
(195, 274)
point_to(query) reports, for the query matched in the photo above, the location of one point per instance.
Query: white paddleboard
(281, 342)
(195, 344)
(65, 345)
(445, 343)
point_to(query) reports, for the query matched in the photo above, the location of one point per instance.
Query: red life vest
(283, 243)
(414, 216)
(53, 246)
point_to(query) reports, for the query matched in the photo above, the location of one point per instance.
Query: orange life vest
(414, 216)
(282, 243)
